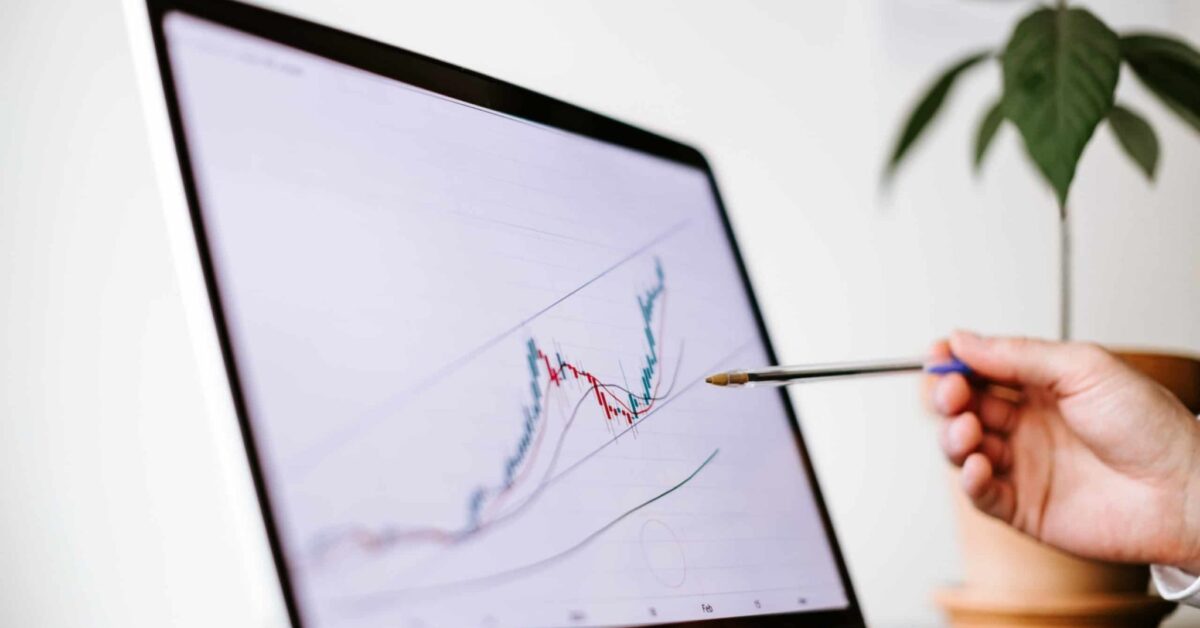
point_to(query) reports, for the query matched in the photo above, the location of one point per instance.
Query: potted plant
(1060, 70)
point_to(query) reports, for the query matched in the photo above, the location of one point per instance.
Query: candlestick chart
(469, 352)
(547, 375)
(583, 441)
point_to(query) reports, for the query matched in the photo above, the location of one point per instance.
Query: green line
(587, 539)
(591, 537)
(516, 571)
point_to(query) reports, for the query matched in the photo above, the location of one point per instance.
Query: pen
(784, 375)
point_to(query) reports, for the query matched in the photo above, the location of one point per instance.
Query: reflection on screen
(472, 351)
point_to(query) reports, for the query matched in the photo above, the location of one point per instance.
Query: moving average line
(613, 406)
(381, 538)
(385, 537)
(448, 587)
(309, 458)
(487, 499)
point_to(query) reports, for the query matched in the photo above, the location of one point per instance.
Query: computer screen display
(471, 351)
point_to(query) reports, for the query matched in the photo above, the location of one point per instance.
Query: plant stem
(1064, 264)
(1064, 251)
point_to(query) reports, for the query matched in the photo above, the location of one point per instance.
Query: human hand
(1089, 456)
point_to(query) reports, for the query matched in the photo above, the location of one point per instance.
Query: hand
(1089, 455)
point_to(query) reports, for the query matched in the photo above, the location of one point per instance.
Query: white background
(111, 512)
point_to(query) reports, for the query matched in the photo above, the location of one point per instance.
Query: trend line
(613, 406)
(588, 456)
(533, 566)
(388, 536)
(631, 411)
(309, 458)
(372, 539)
(549, 477)
(489, 497)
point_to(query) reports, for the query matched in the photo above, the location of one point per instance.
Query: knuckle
(953, 456)
(1018, 344)
(1092, 354)
(983, 501)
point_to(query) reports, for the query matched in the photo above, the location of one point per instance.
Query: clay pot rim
(961, 599)
(1153, 352)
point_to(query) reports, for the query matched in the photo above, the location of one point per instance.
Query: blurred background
(113, 507)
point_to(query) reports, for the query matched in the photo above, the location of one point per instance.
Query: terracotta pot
(1178, 373)
(1013, 580)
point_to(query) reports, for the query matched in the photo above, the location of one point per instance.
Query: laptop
(465, 327)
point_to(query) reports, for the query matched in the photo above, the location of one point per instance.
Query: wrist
(1190, 565)
(1191, 509)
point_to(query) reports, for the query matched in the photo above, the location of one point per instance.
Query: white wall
(111, 511)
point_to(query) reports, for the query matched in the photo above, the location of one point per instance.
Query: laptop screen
(471, 350)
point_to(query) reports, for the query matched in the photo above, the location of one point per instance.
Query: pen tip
(720, 379)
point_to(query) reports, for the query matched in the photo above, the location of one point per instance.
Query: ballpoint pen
(784, 375)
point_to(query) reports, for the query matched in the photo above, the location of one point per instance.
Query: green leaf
(927, 108)
(1137, 138)
(1170, 69)
(1060, 72)
(987, 130)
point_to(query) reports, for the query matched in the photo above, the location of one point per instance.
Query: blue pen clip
(953, 365)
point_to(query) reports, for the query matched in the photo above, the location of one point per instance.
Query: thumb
(1025, 361)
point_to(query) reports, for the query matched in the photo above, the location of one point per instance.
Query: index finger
(938, 352)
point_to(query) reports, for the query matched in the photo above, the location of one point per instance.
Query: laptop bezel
(477, 89)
